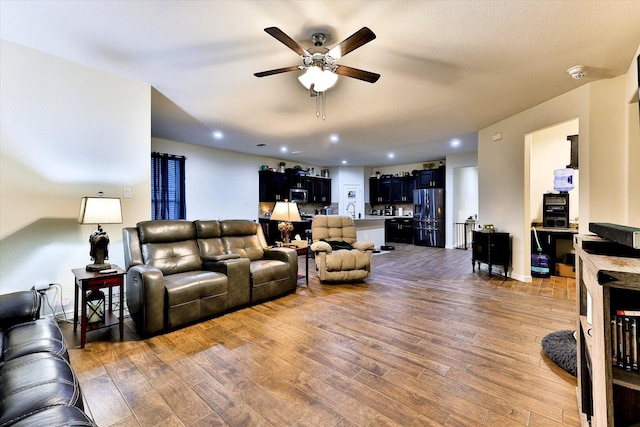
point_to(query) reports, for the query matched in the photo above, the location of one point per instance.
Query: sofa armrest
(363, 246)
(145, 298)
(18, 307)
(321, 247)
(238, 272)
(282, 254)
(221, 257)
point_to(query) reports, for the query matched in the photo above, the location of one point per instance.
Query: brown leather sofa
(180, 272)
(37, 384)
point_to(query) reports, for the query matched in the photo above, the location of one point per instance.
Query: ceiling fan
(321, 60)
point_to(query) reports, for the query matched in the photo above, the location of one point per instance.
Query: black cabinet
(399, 230)
(273, 186)
(391, 190)
(491, 248)
(319, 189)
(431, 178)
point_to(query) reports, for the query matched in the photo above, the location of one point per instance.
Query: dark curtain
(167, 187)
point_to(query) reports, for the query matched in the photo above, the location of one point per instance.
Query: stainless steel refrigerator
(428, 217)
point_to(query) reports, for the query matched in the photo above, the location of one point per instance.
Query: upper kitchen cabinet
(319, 189)
(273, 186)
(391, 189)
(431, 178)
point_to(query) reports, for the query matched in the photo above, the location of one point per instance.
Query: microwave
(298, 195)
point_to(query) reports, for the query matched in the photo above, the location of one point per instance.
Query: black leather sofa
(180, 272)
(37, 384)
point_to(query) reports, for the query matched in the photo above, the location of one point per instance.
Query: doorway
(547, 150)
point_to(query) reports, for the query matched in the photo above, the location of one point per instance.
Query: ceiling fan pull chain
(317, 103)
(324, 104)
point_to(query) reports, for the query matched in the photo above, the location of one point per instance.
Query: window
(167, 187)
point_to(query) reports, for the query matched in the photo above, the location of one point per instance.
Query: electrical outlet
(126, 193)
(65, 302)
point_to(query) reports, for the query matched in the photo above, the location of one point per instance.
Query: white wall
(68, 131)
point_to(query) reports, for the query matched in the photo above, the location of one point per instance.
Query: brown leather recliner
(339, 256)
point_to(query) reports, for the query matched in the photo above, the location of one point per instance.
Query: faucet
(353, 213)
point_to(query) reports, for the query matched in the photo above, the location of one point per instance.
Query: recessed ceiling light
(334, 138)
(391, 156)
(344, 162)
(455, 143)
(284, 149)
(217, 135)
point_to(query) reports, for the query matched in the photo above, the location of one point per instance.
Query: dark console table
(492, 248)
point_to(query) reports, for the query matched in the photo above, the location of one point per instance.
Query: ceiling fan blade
(361, 37)
(277, 71)
(367, 76)
(279, 35)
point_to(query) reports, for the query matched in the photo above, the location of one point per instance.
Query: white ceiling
(449, 68)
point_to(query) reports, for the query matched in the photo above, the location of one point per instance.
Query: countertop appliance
(388, 210)
(555, 210)
(428, 217)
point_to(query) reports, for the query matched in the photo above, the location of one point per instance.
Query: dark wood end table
(87, 281)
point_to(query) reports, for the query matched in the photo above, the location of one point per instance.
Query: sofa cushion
(334, 227)
(240, 236)
(209, 239)
(172, 258)
(269, 270)
(169, 245)
(194, 295)
(35, 381)
(344, 260)
(42, 335)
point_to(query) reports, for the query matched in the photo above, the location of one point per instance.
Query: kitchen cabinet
(399, 230)
(391, 190)
(492, 248)
(272, 186)
(431, 178)
(319, 189)
(608, 393)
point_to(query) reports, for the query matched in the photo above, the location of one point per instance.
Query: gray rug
(561, 348)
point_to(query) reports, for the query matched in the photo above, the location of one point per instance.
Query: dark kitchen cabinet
(431, 178)
(491, 248)
(399, 230)
(391, 190)
(273, 186)
(319, 189)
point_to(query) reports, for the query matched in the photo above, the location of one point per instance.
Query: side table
(304, 251)
(87, 281)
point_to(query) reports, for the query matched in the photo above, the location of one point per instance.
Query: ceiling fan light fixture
(320, 79)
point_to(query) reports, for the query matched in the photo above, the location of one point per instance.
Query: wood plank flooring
(423, 342)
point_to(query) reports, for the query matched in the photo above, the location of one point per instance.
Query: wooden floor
(423, 342)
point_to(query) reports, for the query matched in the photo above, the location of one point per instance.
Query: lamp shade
(319, 78)
(286, 211)
(100, 210)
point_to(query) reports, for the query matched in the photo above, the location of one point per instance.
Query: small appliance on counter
(388, 210)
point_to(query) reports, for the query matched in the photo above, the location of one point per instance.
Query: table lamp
(99, 210)
(286, 212)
